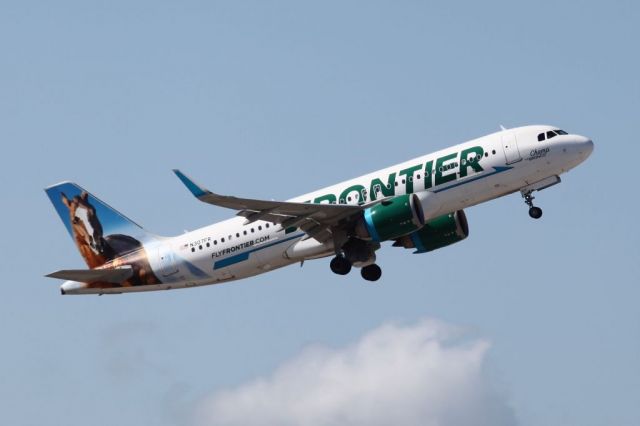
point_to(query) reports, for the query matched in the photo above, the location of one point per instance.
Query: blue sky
(276, 99)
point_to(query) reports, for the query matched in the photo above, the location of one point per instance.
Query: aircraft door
(510, 147)
(167, 262)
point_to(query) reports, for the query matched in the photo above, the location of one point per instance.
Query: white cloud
(394, 375)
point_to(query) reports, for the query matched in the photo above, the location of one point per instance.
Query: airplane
(418, 205)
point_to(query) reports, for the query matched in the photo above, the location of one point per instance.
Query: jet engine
(391, 218)
(437, 233)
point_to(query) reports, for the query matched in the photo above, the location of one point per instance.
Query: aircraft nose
(585, 146)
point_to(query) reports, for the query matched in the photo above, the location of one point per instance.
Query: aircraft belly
(271, 258)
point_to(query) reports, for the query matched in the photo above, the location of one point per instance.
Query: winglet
(195, 189)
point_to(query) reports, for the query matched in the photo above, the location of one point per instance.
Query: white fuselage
(512, 159)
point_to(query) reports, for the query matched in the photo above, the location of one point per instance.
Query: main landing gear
(371, 272)
(340, 265)
(534, 212)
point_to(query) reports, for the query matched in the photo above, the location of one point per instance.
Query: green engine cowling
(437, 233)
(391, 218)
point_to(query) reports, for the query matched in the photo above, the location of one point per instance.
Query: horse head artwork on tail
(86, 228)
(88, 219)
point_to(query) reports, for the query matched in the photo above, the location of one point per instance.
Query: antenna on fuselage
(502, 128)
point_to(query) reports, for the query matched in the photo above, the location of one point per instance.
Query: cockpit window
(550, 134)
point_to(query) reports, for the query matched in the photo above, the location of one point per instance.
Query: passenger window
(222, 240)
(540, 137)
(260, 228)
(237, 235)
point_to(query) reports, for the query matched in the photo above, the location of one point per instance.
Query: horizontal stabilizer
(116, 276)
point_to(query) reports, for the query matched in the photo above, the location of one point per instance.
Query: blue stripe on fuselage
(495, 172)
(241, 257)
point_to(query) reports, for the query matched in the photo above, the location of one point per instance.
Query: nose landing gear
(534, 212)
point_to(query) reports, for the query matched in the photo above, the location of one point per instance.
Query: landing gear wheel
(535, 212)
(371, 272)
(339, 265)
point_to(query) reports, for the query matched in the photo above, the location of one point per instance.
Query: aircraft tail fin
(100, 232)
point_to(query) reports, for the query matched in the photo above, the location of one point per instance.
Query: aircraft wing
(319, 221)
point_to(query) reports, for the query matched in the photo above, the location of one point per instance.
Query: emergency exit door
(167, 263)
